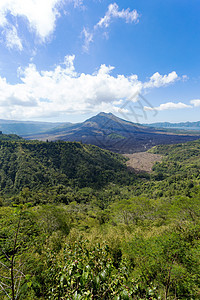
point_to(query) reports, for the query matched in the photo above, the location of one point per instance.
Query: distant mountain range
(107, 131)
(26, 127)
(183, 125)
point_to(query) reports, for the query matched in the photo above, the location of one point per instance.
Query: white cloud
(62, 91)
(41, 15)
(195, 102)
(168, 106)
(105, 70)
(88, 38)
(113, 12)
(11, 38)
(157, 80)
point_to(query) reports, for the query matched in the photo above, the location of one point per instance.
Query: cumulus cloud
(62, 91)
(40, 15)
(168, 106)
(157, 80)
(113, 12)
(195, 102)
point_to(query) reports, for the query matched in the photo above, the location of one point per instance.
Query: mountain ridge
(110, 132)
(35, 164)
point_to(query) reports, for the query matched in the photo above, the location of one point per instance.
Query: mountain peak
(113, 133)
(105, 114)
(104, 117)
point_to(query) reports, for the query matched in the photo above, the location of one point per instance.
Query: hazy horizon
(84, 119)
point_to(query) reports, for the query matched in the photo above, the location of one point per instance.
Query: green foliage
(18, 233)
(75, 224)
(9, 137)
(37, 164)
(167, 260)
(85, 273)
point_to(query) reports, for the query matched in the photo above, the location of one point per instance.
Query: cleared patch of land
(142, 161)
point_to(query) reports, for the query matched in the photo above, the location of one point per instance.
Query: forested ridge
(38, 164)
(76, 224)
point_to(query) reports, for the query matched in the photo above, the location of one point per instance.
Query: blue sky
(66, 60)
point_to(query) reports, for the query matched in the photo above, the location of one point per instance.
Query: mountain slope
(112, 133)
(39, 164)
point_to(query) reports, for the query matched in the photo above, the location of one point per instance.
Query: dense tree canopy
(75, 224)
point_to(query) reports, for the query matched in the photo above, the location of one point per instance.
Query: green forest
(76, 224)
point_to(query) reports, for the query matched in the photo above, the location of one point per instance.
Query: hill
(115, 134)
(39, 164)
(9, 137)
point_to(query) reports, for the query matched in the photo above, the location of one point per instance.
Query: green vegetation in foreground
(74, 224)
